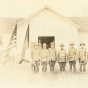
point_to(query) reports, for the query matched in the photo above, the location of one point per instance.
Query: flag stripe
(13, 41)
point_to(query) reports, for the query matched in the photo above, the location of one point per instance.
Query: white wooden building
(47, 25)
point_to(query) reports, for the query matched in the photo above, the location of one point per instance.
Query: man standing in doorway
(52, 56)
(62, 58)
(82, 54)
(36, 58)
(72, 57)
(40, 45)
(44, 58)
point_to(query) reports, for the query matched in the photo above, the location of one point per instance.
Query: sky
(24, 8)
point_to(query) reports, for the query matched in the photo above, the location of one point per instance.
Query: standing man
(72, 57)
(62, 57)
(52, 56)
(82, 54)
(44, 58)
(40, 46)
(36, 58)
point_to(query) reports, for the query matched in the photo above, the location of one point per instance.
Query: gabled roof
(28, 19)
(81, 21)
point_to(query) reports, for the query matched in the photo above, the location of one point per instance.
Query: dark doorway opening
(46, 39)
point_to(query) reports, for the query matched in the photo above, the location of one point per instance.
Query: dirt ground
(20, 76)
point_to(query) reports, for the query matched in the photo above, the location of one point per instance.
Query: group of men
(44, 56)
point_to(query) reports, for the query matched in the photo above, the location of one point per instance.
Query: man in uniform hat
(52, 56)
(82, 54)
(62, 58)
(36, 58)
(40, 46)
(44, 58)
(72, 57)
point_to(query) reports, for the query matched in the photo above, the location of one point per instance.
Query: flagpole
(16, 46)
(29, 39)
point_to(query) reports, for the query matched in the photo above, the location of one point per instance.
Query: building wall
(47, 23)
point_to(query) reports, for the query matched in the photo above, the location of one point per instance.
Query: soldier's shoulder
(58, 50)
(69, 49)
(75, 48)
(85, 48)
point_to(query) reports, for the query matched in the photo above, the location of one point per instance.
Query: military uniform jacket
(52, 54)
(72, 54)
(82, 54)
(36, 55)
(62, 55)
(44, 53)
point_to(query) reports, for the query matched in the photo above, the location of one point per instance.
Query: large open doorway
(46, 39)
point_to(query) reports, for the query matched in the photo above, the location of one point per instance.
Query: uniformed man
(40, 46)
(62, 58)
(72, 57)
(52, 56)
(82, 55)
(44, 58)
(36, 58)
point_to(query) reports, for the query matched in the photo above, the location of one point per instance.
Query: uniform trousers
(52, 65)
(72, 64)
(36, 66)
(44, 66)
(62, 66)
(82, 66)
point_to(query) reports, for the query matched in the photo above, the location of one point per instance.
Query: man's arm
(48, 55)
(76, 54)
(32, 55)
(40, 55)
(79, 55)
(58, 56)
(66, 56)
(86, 55)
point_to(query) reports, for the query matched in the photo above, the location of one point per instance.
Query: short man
(52, 56)
(36, 58)
(72, 57)
(62, 58)
(44, 58)
(82, 54)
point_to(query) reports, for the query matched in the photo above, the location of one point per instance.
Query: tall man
(52, 56)
(82, 54)
(72, 57)
(62, 58)
(44, 58)
(36, 58)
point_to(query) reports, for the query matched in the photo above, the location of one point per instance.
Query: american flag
(12, 42)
